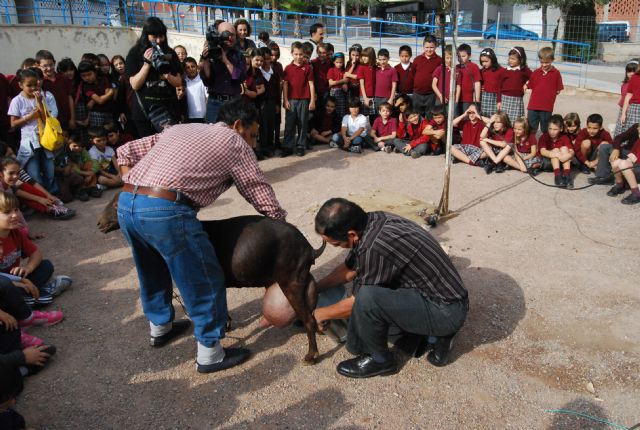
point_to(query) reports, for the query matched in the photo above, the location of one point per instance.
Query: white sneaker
(101, 187)
(332, 144)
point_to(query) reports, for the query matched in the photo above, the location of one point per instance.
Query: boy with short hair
(403, 69)
(556, 149)
(327, 123)
(423, 97)
(384, 129)
(321, 66)
(545, 84)
(386, 80)
(299, 98)
(354, 129)
(105, 158)
(413, 141)
(436, 130)
(61, 88)
(469, 85)
(587, 142)
(196, 92)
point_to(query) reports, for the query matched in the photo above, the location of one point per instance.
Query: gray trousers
(424, 103)
(296, 118)
(379, 311)
(421, 149)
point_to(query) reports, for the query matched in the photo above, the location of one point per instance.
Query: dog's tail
(318, 252)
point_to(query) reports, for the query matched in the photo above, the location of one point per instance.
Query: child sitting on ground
(82, 164)
(115, 137)
(496, 136)
(571, 126)
(70, 183)
(413, 141)
(384, 129)
(354, 129)
(587, 142)
(105, 158)
(326, 123)
(525, 148)
(556, 149)
(436, 130)
(625, 168)
(471, 125)
(16, 245)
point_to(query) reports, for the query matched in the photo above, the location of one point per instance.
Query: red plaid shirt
(202, 161)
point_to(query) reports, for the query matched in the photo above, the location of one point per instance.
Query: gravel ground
(554, 320)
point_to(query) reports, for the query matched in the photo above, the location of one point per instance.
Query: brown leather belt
(159, 192)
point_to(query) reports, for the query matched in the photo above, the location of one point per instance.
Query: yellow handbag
(51, 137)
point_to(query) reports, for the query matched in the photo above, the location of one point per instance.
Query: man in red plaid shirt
(168, 177)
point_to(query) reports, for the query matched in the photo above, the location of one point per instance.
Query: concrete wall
(618, 52)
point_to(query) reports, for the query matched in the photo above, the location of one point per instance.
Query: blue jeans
(168, 242)
(40, 167)
(337, 138)
(213, 107)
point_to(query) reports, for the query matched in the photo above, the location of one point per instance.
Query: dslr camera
(215, 41)
(159, 60)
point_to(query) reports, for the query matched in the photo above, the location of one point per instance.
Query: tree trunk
(343, 13)
(560, 36)
(275, 19)
(544, 21)
(296, 28)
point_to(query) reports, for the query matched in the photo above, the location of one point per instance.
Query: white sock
(212, 355)
(159, 330)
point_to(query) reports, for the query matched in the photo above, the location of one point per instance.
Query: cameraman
(223, 77)
(155, 90)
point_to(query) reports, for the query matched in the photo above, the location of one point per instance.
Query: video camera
(216, 41)
(159, 60)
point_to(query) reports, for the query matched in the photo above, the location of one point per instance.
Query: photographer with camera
(223, 67)
(155, 72)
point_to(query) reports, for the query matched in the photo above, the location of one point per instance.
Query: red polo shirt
(437, 74)
(506, 137)
(298, 78)
(368, 73)
(524, 146)
(601, 136)
(549, 144)
(435, 126)
(469, 75)
(491, 80)
(320, 79)
(634, 89)
(335, 74)
(405, 80)
(62, 89)
(513, 81)
(471, 132)
(544, 89)
(384, 79)
(422, 73)
(383, 129)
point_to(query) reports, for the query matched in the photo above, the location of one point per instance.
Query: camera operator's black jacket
(221, 82)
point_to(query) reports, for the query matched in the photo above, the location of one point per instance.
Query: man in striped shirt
(403, 283)
(168, 177)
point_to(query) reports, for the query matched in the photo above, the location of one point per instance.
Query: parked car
(509, 31)
(613, 31)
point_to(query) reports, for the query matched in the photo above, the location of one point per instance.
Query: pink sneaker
(27, 340)
(41, 318)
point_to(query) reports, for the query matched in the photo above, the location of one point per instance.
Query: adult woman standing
(243, 31)
(155, 89)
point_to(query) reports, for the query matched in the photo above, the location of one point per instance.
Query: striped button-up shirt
(397, 253)
(201, 161)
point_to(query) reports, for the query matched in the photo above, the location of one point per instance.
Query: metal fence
(574, 51)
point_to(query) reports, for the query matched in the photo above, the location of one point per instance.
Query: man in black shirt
(403, 282)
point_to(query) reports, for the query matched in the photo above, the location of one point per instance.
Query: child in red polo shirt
(413, 141)
(327, 123)
(624, 170)
(299, 97)
(351, 72)
(338, 88)
(98, 94)
(471, 125)
(491, 79)
(587, 142)
(321, 66)
(514, 78)
(384, 129)
(556, 149)
(403, 69)
(423, 97)
(572, 126)
(470, 78)
(436, 130)
(493, 139)
(440, 87)
(525, 149)
(58, 85)
(386, 80)
(367, 79)
(545, 84)
(631, 107)
(630, 69)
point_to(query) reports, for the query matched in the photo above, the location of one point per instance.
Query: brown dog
(256, 251)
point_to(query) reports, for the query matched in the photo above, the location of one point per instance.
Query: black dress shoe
(286, 152)
(440, 354)
(364, 366)
(178, 328)
(489, 167)
(559, 181)
(501, 167)
(300, 152)
(584, 169)
(597, 180)
(232, 357)
(631, 199)
(616, 190)
(568, 180)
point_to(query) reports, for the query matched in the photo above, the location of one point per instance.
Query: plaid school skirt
(633, 116)
(531, 161)
(619, 125)
(471, 151)
(488, 103)
(513, 107)
(98, 119)
(341, 100)
(367, 110)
